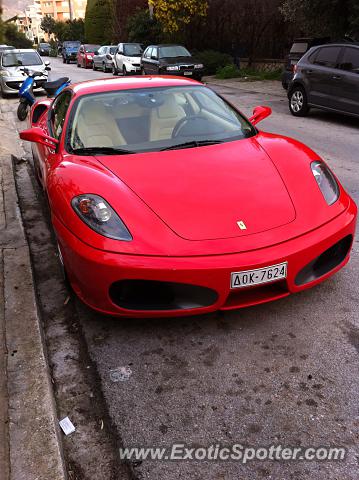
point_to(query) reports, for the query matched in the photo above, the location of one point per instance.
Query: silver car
(12, 75)
(103, 58)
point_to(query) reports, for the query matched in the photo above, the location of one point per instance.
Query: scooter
(26, 94)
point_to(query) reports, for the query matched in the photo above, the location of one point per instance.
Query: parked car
(170, 60)
(85, 55)
(103, 58)
(44, 49)
(326, 77)
(69, 50)
(12, 75)
(6, 47)
(127, 58)
(177, 204)
(299, 48)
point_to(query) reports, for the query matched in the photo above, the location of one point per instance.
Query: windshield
(300, 47)
(25, 59)
(44, 45)
(153, 119)
(174, 51)
(71, 44)
(133, 50)
(91, 48)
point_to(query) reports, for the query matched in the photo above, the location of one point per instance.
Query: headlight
(89, 57)
(173, 67)
(326, 182)
(99, 216)
(198, 65)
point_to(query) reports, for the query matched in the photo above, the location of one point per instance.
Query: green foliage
(249, 74)
(333, 18)
(48, 24)
(15, 38)
(99, 21)
(1, 27)
(144, 29)
(229, 71)
(213, 60)
(70, 30)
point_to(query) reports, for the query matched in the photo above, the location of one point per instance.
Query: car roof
(129, 83)
(167, 45)
(338, 44)
(22, 50)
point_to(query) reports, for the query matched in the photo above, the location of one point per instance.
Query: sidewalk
(265, 87)
(30, 443)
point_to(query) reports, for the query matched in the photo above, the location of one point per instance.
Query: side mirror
(154, 57)
(259, 114)
(47, 63)
(48, 68)
(37, 135)
(96, 52)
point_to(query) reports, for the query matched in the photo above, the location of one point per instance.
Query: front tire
(94, 67)
(63, 60)
(104, 68)
(114, 71)
(298, 103)
(22, 110)
(78, 65)
(124, 71)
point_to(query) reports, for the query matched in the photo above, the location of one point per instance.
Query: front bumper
(197, 74)
(134, 68)
(12, 84)
(93, 272)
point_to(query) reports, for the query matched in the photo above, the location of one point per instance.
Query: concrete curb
(34, 445)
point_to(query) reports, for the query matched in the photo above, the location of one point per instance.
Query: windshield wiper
(192, 144)
(100, 151)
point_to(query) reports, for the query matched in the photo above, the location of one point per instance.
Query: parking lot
(283, 373)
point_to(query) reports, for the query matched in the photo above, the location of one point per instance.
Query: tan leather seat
(96, 127)
(164, 119)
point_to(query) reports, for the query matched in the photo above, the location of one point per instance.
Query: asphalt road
(282, 373)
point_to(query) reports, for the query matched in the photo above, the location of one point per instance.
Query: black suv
(170, 60)
(326, 77)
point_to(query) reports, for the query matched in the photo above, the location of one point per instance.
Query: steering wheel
(186, 121)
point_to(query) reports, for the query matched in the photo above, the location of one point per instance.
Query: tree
(15, 38)
(48, 24)
(99, 21)
(69, 30)
(123, 10)
(1, 27)
(332, 18)
(144, 29)
(176, 14)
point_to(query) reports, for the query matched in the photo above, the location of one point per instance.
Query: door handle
(309, 71)
(336, 77)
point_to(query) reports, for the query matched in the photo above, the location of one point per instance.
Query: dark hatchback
(326, 77)
(299, 47)
(170, 60)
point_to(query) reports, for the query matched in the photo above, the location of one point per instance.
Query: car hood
(203, 193)
(178, 60)
(18, 73)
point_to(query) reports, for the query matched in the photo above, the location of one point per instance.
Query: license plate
(248, 278)
(187, 73)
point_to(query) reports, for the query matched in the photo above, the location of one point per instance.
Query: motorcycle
(26, 94)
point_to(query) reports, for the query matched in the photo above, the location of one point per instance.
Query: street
(281, 373)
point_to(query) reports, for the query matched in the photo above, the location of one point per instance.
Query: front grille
(186, 67)
(246, 297)
(155, 295)
(136, 64)
(14, 85)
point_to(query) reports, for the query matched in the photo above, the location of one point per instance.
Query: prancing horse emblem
(241, 225)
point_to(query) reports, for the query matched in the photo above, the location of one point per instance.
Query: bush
(144, 29)
(213, 60)
(229, 71)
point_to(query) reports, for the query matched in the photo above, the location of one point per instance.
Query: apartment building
(63, 9)
(29, 21)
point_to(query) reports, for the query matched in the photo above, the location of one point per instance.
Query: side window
(328, 57)
(350, 60)
(101, 50)
(154, 53)
(58, 113)
(149, 52)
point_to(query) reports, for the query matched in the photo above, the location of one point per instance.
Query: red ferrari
(167, 201)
